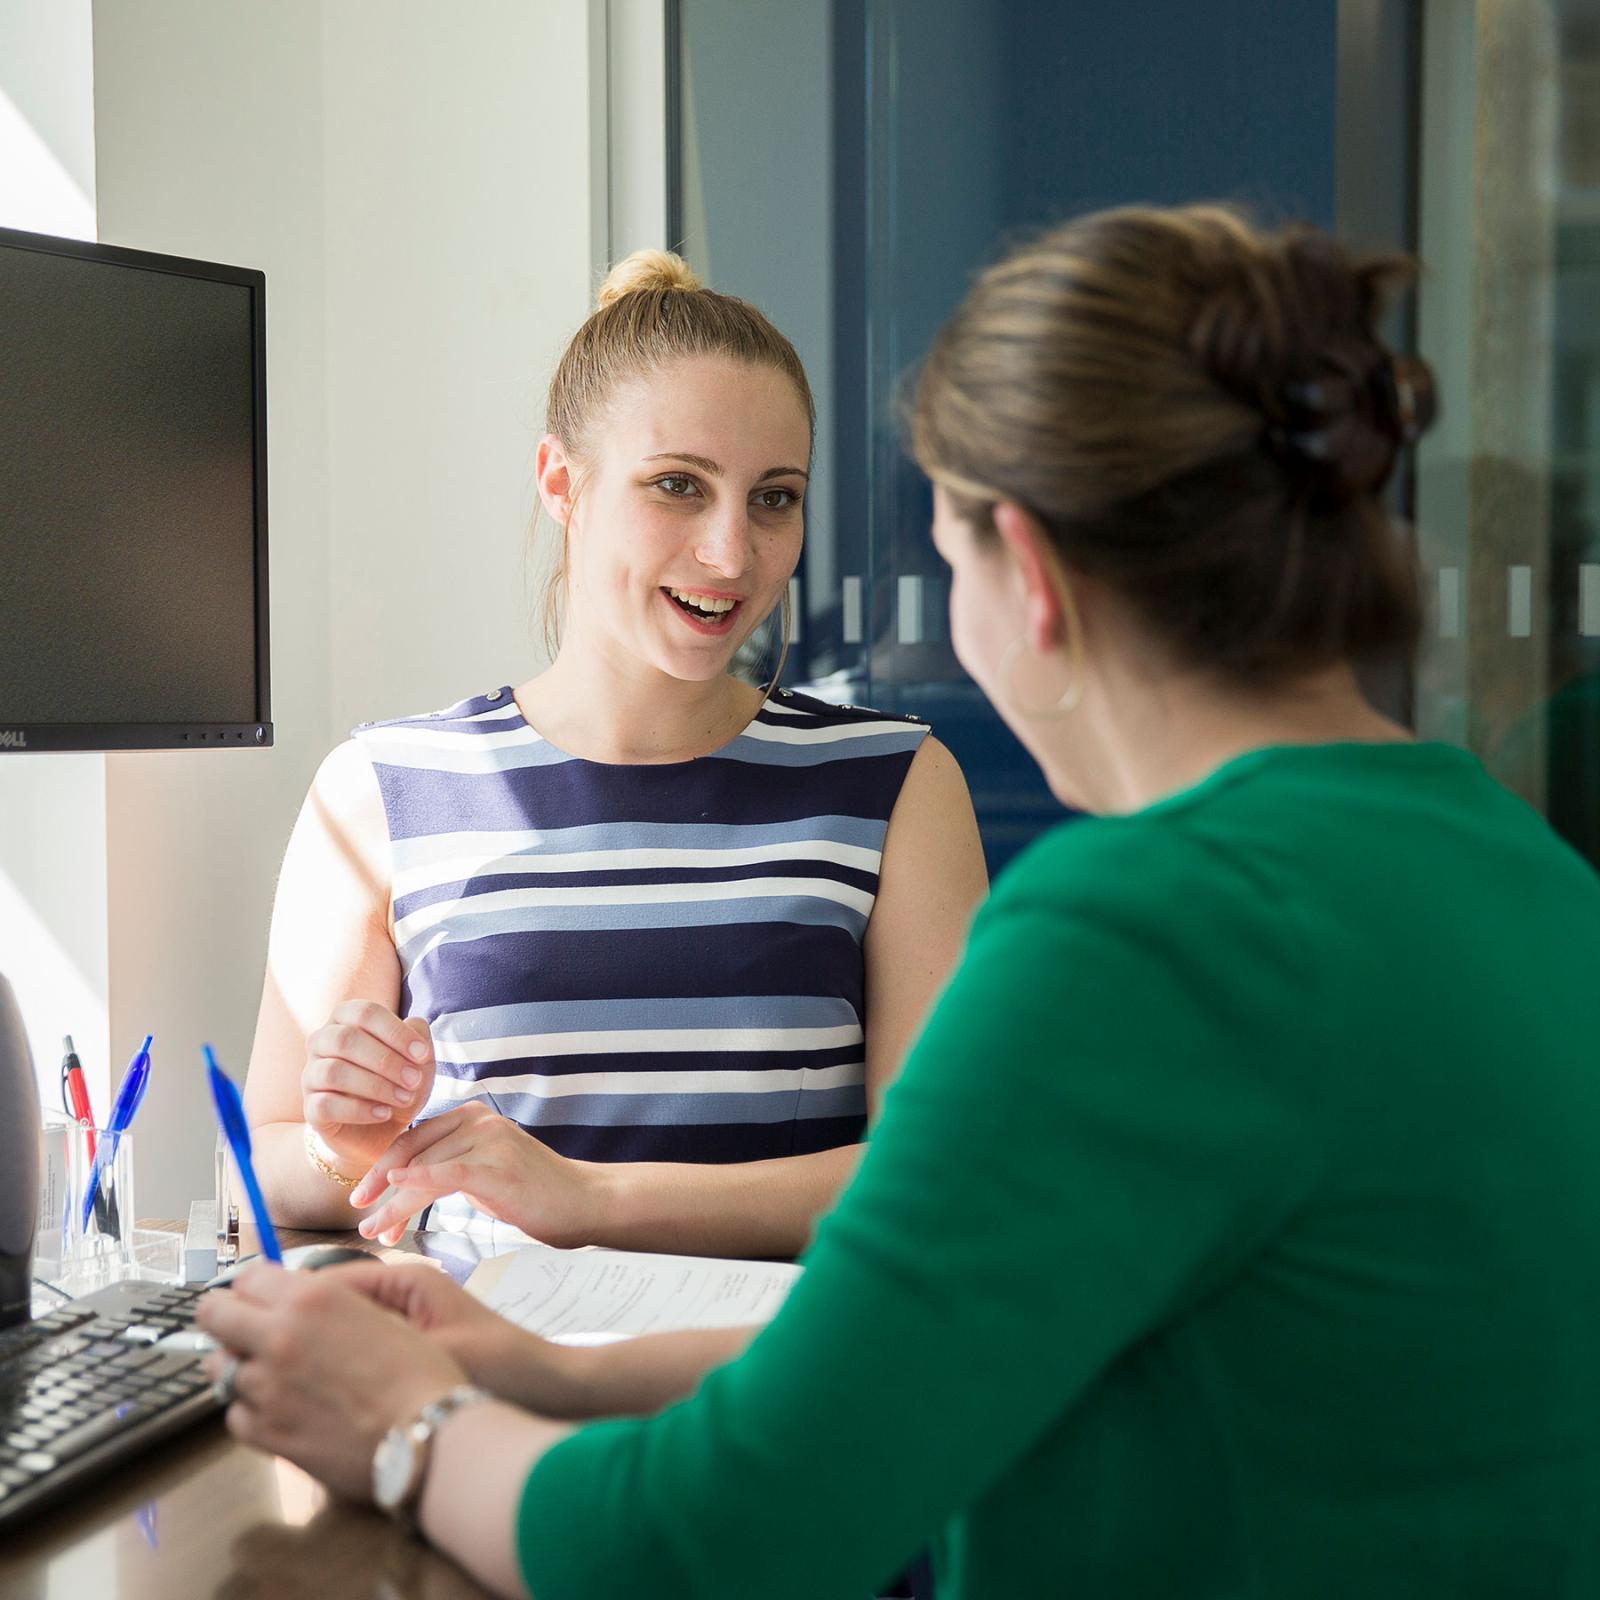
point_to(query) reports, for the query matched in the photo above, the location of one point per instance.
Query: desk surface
(204, 1516)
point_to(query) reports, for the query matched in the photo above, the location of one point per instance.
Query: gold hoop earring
(1062, 706)
(783, 649)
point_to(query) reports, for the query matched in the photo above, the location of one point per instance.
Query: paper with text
(594, 1296)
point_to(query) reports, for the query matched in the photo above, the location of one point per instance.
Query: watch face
(393, 1465)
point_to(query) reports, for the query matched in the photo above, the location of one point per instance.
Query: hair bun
(643, 271)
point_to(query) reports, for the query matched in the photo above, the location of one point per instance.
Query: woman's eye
(777, 499)
(678, 484)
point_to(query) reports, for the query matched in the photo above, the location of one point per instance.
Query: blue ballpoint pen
(230, 1113)
(130, 1096)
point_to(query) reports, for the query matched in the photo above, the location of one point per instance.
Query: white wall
(52, 807)
(414, 182)
(457, 212)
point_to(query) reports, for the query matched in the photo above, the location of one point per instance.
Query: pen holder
(73, 1254)
(227, 1207)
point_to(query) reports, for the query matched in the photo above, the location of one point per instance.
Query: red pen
(75, 1091)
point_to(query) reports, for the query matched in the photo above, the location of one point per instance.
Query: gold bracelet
(314, 1148)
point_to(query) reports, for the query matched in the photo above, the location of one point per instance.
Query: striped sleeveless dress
(641, 963)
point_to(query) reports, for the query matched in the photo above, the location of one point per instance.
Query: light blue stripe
(866, 832)
(576, 1016)
(677, 1110)
(769, 753)
(810, 911)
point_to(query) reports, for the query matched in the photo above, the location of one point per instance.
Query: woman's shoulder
(1122, 867)
(807, 714)
(485, 713)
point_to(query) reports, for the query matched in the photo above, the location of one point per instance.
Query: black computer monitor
(133, 500)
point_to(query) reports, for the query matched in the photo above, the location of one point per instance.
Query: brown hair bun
(644, 271)
(1202, 413)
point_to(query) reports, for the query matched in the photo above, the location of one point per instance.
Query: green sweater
(1233, 1230)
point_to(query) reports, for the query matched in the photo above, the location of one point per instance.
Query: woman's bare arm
(329, 944)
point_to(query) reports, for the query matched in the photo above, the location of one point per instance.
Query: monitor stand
(19, 1162)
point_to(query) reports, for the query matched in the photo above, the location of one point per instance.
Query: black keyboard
(91, 1385)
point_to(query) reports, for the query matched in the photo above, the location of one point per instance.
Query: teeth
(703, 602)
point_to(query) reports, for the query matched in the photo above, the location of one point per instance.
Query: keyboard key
(131, 1360)
(35, 1462)
(171, 1364)
(88, 1434)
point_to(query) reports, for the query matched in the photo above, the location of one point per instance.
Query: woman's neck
(1132, 743)
(626, 713)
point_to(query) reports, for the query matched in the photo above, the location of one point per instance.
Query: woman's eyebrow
(706, 464)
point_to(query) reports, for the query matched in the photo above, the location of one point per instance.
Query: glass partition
(849, 165)
(1509, 313)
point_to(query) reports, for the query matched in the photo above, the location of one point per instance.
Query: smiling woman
(610, 940)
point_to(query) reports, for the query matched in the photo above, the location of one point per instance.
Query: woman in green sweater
(1234, 1227)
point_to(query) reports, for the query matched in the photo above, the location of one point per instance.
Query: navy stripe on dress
(642, 963)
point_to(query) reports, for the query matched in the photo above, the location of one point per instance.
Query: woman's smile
(705, 610)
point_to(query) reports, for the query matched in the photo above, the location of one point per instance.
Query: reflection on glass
(1509, 312)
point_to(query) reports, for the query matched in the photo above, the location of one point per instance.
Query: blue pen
(130, 1096)
(230, 1113)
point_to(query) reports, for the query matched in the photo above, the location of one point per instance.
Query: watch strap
(420, 1431)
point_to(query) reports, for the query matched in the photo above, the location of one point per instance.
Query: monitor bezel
(20, 738)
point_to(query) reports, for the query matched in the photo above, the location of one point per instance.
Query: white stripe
(824, 735)
(778, 1080)
(460, 867)
(637, 894)
(618, 1041)
(419, 736)
(509, 711)
(1519, 602)
(850, 609)
(1449, 602)
(1589, 600)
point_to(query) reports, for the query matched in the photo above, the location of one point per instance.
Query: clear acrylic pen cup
(227, 1207)
(85, 1234)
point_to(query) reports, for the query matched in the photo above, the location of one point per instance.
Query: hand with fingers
(476, 1152)
(318, 1371)
(367, 1072)
(495, 1354)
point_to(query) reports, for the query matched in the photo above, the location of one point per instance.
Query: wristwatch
(400, 1463)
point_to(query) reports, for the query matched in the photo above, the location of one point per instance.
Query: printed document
(595, 1296)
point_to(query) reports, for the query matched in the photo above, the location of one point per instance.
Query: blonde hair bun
(643, 271)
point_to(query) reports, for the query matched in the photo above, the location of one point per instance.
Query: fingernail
(365, 1229)
(400, 1095)
(380, 1113)
(410, 1077)
(417, 1050)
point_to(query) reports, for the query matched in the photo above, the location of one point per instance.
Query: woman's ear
(1034, 565)
(556, 478)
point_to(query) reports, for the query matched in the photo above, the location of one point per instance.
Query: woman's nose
(724, 544)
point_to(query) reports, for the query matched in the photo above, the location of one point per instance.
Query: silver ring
(226, 1386)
